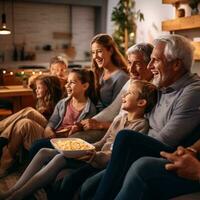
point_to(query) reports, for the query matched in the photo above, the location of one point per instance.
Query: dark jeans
(128, 147)
(70, 184)
(39, 144)
(147, 179)
(90, 186)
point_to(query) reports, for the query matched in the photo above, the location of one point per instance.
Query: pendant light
(3, 29)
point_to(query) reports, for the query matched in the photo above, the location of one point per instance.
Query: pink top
(71, 116)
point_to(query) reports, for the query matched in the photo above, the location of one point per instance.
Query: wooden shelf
(197, 50)
(182, 23)
(174, 1)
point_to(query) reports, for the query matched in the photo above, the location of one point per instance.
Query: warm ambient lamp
(3, 29)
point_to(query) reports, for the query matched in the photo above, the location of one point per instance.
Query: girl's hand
(73, 129)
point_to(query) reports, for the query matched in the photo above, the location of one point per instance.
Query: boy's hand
(88, 156)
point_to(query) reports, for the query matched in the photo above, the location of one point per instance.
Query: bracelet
(192, 150)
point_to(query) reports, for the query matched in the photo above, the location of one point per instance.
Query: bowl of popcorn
(72, 147)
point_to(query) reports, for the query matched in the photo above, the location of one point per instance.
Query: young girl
(77, 106)
(67, 112)
(48, 92)
(140, 99)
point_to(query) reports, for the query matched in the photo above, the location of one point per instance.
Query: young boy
(139, 100)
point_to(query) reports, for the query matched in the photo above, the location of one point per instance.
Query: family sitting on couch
(140, 162)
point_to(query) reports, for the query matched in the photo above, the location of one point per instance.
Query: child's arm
(100, 159)
(49, 133)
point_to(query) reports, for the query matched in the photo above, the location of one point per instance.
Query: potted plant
(194, 6)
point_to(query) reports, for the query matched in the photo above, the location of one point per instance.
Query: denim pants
(147, 179)
(128, 147)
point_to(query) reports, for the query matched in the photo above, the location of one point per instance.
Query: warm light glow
(4, 30)
(4, 71)
(33, 73)
(40, 72)
(11, 73)
(22, 72)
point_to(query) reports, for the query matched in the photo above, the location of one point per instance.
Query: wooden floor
(10, 180)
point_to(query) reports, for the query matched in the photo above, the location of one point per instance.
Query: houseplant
(194, 6)
(124, 17)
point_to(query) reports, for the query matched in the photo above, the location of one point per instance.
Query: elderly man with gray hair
(172, 121)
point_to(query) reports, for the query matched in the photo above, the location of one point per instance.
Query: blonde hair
(58, 59)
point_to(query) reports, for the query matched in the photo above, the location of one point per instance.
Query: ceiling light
(3, 29)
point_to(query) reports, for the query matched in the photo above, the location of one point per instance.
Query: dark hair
(117, 58)
(148, 92)
(53, 95)
(87, 76)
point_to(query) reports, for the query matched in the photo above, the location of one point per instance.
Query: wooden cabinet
(183, 23)
(174, 1)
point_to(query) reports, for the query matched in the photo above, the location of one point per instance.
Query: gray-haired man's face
(137, 67)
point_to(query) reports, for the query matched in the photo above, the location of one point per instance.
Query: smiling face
(100, 55)
(41, 89)
(130, 100)
(137, 67)
(59, 70)
(74, 86)
(163, 71)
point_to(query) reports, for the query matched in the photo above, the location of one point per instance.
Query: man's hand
(184, 163)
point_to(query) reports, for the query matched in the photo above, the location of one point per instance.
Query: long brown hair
(53, 94)
(117, 58)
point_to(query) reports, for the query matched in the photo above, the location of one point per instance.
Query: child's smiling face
(41, 89)
(74, 86)
(131, 98)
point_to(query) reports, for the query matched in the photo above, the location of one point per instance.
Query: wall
(82, 29)
(154, 13)
(34, 24)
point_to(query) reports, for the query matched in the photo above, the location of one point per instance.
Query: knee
(22, 126)
(59, 158)
(29, 109)
(147, 167)
(125, 137)
(45, 152)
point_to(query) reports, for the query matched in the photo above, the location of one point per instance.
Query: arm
(120, 81)
(55, 117)
(89, 124)
(109, 113)
(184, 118)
